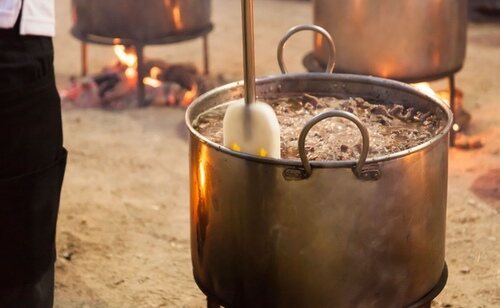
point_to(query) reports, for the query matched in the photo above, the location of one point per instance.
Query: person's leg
(31, 129)
(30, 147)
(35, 295)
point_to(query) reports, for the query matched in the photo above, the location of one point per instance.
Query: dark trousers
(32, 164)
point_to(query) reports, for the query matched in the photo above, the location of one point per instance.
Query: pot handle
(359, 169)
(315, 28)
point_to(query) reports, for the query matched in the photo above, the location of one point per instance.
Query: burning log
(106, 82)
(184, 75)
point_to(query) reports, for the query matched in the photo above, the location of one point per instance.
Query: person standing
(32, 157)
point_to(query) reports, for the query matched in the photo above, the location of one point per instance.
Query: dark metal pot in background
(140, 20)
(263, 235)
(411, 40)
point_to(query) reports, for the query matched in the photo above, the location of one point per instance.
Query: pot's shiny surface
(405, 40)
(331, 240)
(142, 20)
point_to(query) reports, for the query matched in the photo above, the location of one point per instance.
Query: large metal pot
(403, 40)
(144, 20)
(265, 234)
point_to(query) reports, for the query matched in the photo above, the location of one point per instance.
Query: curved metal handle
(318, 29)
(358, 169)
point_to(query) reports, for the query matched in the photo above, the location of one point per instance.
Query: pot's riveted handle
(318, 29)
(359, 169)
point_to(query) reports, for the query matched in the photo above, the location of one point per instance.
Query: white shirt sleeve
(38, 17)
(9, 11)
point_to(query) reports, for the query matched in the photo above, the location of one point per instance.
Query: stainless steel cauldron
(276, 233)
(404, 40)
(140, 20)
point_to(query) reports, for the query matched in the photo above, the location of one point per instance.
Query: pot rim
(370, 80)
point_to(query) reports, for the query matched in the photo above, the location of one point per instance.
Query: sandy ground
(123, 233)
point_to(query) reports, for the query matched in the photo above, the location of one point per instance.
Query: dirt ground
(123, 232)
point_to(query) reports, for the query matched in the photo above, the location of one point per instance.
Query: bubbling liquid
(392, 128)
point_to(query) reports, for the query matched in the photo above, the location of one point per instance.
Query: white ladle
(251, 126)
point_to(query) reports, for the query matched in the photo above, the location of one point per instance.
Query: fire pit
(140, 23)
(409, 41)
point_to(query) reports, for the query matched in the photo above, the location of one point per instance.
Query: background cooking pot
(140, 20)
(263, 235)
(403, 40)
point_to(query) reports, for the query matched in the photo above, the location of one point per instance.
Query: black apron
(32, 164)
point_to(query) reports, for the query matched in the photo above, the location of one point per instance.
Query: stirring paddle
(251, 126)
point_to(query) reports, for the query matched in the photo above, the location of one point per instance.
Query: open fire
(461, 117)
(115, 86)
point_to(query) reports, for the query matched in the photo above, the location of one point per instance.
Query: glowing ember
(155, 72)
(152, 82)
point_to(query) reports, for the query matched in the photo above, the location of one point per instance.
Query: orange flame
(125, 56)
(190, 95)
(131, 76)
(130, 73)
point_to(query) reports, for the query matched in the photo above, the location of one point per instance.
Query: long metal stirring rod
(248, 50)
